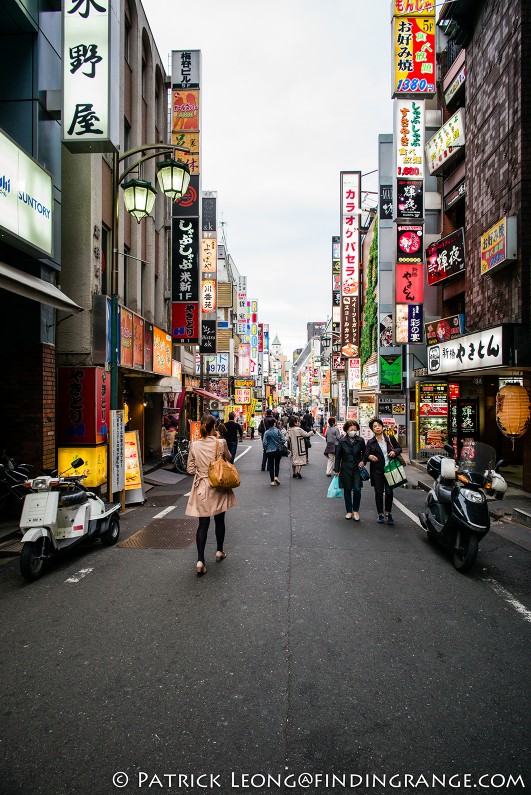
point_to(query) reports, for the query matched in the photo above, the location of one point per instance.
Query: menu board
(432, 415)
(134, 476)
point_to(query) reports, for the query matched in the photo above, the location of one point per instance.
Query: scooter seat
(443, 493)
(75, 497)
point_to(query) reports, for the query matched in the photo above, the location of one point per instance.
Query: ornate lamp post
(139, 196)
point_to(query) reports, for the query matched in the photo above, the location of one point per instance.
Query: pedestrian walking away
(297, 443)
(232, 431)
(205, 501)
(255, 422)
(266, 422)
(332, 437)
(273, 442)
(348, 460)
(379, 449)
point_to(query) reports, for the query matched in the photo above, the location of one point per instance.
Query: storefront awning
(16, 281)
(210, 395)
(165, 384)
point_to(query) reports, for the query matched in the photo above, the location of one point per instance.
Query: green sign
(391, 372)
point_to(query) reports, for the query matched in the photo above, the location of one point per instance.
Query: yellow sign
(95, 466)
(133, 478)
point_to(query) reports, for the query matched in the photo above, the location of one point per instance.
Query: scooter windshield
(477, 457)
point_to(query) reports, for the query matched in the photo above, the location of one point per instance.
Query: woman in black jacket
(349, 457)
(379, 450)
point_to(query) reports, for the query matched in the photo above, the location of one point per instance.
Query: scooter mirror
(76, 463)
(501, 463)
(450, 450)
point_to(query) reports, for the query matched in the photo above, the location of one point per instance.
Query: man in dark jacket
(266, 422)
(231, 434)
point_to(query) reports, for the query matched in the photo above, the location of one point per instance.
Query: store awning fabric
(16, 281)
(209, 395)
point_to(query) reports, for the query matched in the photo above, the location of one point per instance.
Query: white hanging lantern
(513, 411)
(139, 198)
(174, 178)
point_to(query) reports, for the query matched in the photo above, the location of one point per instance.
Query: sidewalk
(511, 517)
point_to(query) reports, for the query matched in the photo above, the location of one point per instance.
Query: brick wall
(27, 421)
(496, 170)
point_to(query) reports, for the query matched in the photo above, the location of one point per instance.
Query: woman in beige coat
(204, 500)
(297, 444)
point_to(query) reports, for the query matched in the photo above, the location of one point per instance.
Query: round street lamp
(174, 178)
(139, 198)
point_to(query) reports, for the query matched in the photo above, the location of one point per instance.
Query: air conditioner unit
(214, 405)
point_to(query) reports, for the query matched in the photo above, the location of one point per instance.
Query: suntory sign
(26, 199)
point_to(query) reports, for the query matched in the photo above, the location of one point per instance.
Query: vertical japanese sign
(409, 268)
(350, 261)
(336, 278)
(209, 265)
(254, 341)
(414, 56)
(187, 250)
(91, 75)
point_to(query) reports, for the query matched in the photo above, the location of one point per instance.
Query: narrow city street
(319, 646)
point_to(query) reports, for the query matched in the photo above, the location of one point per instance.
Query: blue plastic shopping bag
(333, 489)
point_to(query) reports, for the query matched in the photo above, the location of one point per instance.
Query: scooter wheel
(112, 534)
(464, 557)
(31, 562)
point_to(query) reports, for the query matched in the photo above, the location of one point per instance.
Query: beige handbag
(222, 474)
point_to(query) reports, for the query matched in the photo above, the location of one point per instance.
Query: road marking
(242, 454)
(79, 575)
(164, 512)
(494, 584)
(408, 512)
(509, 598)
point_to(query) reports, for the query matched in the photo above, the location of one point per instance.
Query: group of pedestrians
(347, 454)
(281, 433)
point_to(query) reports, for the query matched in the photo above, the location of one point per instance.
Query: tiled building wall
(496, 124)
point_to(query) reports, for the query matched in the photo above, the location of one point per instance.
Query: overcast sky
(293, 92)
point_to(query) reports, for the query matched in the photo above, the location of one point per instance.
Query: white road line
(79, 575)
(509, 598)
(164, 512)
(242, 454)
(494, 584)
(407, 512)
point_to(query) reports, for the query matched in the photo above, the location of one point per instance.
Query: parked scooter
(60, 513)
(456, 513)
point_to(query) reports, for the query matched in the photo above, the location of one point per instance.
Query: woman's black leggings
(202, 533)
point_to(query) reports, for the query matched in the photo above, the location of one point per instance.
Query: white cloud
(293, 92)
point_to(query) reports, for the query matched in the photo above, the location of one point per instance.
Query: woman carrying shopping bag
(348, 460)
(379, 451)
(205, 500)
(332, 437)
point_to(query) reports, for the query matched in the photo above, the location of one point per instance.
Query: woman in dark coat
(349, 457)
(379, 450)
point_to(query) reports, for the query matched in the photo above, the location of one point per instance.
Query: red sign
(409, 240)
(83, 405)
(454, 391)
(185, 322)
(126, 338)
(409, 284)
(138, 342)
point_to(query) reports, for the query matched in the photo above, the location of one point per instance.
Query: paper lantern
(513, 411)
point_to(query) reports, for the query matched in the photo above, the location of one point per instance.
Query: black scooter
(456, 513)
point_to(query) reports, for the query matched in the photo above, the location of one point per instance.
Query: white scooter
(60, 513)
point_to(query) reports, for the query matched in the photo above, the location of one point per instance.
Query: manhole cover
(163, 500)
(163, 534)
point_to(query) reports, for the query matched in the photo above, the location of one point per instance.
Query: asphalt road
(319, 647)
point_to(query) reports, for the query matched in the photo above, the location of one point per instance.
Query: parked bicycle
(181, 446)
